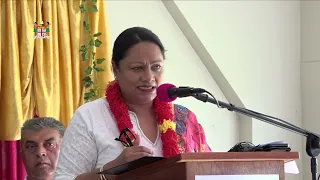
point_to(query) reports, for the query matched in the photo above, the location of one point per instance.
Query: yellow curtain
(45, 74)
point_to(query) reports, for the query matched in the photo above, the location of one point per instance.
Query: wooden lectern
(187, 166)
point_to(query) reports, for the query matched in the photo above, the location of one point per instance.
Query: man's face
(40, 151)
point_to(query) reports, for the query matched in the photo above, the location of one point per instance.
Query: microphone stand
(313, 139)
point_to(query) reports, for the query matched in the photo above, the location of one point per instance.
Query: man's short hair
(37, 124)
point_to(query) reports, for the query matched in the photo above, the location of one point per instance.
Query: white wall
(310, 71)
(256, 46)
(183, 66)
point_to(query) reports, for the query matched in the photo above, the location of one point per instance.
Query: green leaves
(85, 56)
(87, 52)
(91, 42)
(82, 8)
(91, 94)
(97, 34)
(95, 67)
(83, 48)
(97, 43)
(94, 8)
(100, 60)
(86, 26)
(87, 81)
(99, 69)
(88, 70)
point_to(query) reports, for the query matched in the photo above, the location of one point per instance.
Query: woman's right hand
(132, 153)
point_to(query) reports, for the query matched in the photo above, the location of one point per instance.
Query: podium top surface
(159, 162)
(237, 156)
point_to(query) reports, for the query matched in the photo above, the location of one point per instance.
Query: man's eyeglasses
(126, 137)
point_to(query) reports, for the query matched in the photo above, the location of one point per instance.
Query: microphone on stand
(169, 92)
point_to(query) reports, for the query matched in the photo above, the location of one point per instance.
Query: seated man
(40, 147)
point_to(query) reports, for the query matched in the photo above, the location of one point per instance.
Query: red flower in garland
(163, 110)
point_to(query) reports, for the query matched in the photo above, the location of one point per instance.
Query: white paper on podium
(238, 177)
(291, 167)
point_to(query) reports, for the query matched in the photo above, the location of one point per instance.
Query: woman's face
(140, 73)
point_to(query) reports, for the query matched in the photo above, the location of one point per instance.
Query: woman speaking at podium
(130, 122)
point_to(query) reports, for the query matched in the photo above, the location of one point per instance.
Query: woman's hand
(127, 155)
(132, 153)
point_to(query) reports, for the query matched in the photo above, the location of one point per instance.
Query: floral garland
(163, 110)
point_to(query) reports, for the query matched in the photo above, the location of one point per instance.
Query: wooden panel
(157, 171)
(188, 170)
(174, 172)
(235, 168)
(213, 163)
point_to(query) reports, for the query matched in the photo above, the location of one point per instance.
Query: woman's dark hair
(130, 37)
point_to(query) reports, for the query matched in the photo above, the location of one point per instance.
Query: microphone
(169, 92)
